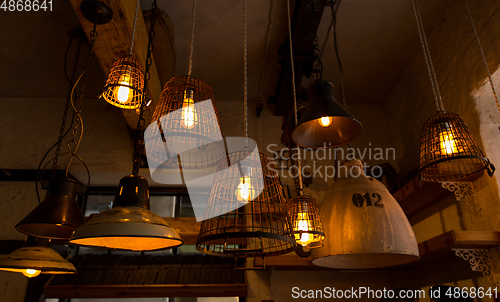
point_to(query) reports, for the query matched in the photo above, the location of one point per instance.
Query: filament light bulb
(303, 224)
(30, 273)
(189, 116)
(122, 92)
(325, 121)
(448, 142)
(245, 189)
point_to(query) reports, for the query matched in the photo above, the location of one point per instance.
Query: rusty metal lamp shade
(58, 216)
(35, 259)
(258, 228)
(305, 221)
(129, 224)
(448, 151)
(325, 123)
(197, 125)
(125, 84)
(364, 225)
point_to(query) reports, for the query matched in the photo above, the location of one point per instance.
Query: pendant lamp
(448, 151)
(125, 82)
(130, 225)
(364, 225)
(36, 258)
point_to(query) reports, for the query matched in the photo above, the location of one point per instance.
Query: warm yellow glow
(302, 224)
(122, 92)
(448, 142)
(245, 189)
(325, 121)
(30, 273)
(189, 116)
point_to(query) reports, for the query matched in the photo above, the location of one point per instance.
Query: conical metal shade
(129, 225)
(364, 225)
(448, 150)
(58, 216)
(41, 259)
(309, 132)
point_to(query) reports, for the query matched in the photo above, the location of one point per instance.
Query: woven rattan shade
(126, 79)
(259, 228)
(305, 220)
(173, 131)
(448, 151)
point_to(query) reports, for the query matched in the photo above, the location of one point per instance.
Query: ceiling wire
(245, 69)
(191, 48)
(133, 29)
(266, 49)
(482, 53)
(336, 47)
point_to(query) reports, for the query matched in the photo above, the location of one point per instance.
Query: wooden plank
(145, 291)
(113, 43)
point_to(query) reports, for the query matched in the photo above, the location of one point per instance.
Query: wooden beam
(113, 43)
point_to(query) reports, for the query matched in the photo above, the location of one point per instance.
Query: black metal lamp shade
(58, 216)
(325, 123)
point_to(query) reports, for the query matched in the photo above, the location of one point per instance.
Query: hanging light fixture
(125, 82)
(364, 225)
(448, 150)
(325, 123)
(36, 258)
(129, 224)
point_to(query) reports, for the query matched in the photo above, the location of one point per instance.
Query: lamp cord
(428, 59)
(245, 70)
(191, 48)
(133, 28)
(299, 174)
(336, 47)
(266, 48)
(482, 54)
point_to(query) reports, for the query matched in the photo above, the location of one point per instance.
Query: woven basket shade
(256, 229)
(448, 151)
(197, 131)
(305, 220)
(125, 84)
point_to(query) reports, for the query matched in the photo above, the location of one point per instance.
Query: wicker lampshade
(191, 123)
(305, 220)
(448, 151)
(125, 84)
(256, 229)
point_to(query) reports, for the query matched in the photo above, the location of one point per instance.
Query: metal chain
(133, 29)
(191, 48)
(245, 68)
(66, 108)
(139, 136)
(482, 54)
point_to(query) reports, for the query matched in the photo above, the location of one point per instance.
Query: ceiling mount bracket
(96, 11)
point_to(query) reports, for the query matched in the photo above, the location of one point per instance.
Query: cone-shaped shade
(33, 260)
(338, 127)
(305, 220)
(124, 84)
(448, 151)
(58, 216)
(129, 225)
(364, 225)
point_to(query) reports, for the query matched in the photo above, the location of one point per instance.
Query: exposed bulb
(325, 121)
(30, 273)
(448, 143)
(189, 116)
(303, 224)
(245, 189)
(122, 92)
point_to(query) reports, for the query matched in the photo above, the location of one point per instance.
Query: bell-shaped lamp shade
(448, 151)
(325, 123)
(305, 220)
(125, 84)
(129, 225)
(364, 225)
(58, 216)
(35, 259)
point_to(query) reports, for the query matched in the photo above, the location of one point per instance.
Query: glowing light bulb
(302, 224)
(325, 121)
(189, 116)
(448, 143)
(245, 189)
(122, 92)
(30, 273)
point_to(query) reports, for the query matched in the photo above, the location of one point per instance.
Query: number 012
(359, 200)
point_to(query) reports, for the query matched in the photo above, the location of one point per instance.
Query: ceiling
(377, 40)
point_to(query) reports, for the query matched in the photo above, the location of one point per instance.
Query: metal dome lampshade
(259, 225)
(192, 122)
(36, 258)
(305, 220)
(58, 216)
(325, 123)
(124, 85)
(448, 151)
(129, 225)
(364, 225)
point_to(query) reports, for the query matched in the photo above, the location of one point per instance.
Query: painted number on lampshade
(26, 5)
(359, 200)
